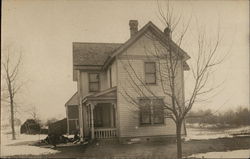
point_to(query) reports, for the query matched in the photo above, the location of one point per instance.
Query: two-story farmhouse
(100, 108)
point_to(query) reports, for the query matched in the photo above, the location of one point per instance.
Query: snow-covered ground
(20, 146)
(196, 133)
(227, 154)
(203, 133)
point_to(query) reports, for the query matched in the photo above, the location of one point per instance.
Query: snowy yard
(199, 143)
(21, 146)
(224, 154)
(196, 133)
(205, 134)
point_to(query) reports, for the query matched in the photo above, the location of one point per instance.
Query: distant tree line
(233, 118)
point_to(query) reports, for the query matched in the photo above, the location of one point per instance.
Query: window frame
(151, 115)
(161, 110)
(147, 73)
(98, 82)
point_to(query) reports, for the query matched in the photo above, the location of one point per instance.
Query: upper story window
(150, 72)
(94, 82)
(151, 111)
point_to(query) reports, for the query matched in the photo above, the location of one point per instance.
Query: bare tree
(12, 85)
(169, 77)
(33, 113)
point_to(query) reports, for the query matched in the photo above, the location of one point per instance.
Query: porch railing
(104, 133)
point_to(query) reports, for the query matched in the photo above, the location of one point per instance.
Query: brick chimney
(133, 25)
(167, 32)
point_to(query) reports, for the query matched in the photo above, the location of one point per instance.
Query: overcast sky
(45, 30)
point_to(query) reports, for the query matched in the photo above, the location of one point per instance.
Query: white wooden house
(102, 80)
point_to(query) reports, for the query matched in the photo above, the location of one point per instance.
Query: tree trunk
(11, 109)
(12, 119)
(178, 138)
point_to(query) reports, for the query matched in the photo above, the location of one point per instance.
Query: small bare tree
(33, 113)
(169, 62)
(12, 85)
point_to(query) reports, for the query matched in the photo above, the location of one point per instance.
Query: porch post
(112, 115)
(89, 116)
(115, 113)
(92, 121)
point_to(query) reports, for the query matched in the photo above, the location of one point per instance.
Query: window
(145, 112)
(158, 111)
(94, 82)
(150, 73)
(151, 111)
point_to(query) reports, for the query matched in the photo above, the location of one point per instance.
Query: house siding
(103, 81)
(128, 113)
(84, 86)
(113, 68)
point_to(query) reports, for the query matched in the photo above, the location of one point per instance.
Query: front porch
(104, 116)
(101, 115)
(102, 120)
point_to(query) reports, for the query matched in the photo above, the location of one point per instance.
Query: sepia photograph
(141, 79)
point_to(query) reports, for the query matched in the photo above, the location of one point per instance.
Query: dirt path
(150, 149)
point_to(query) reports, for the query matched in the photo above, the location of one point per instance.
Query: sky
(44, 32)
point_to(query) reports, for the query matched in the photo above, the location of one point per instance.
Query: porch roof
(108, 94)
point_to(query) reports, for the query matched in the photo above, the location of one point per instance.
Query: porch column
(112, 115)
(89, 116)
(92, 121)
(115, 113)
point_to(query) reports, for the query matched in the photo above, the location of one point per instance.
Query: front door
(103, 115)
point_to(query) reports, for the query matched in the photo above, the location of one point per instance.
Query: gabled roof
(87, 54)
(142, 31)
(73, 100)
(102, 54)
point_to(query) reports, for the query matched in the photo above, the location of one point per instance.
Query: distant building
(58, 127)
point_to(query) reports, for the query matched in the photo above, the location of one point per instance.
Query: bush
(239, 117)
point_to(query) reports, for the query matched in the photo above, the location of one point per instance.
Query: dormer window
(94, 82)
